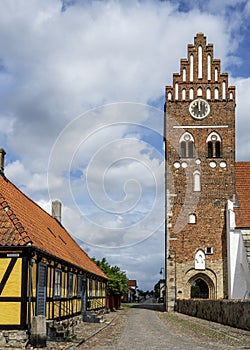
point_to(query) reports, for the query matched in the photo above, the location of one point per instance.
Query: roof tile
(22, 221)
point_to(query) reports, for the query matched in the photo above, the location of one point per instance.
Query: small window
(70, 284)
(183, 94)
(169, 96)
(197, 181)
(192, 219)
(191, 93)
(79, 285)
(208, 93)
(199, 91)
(216, 93)
(58, 283)
(209, 250)
(184, 74)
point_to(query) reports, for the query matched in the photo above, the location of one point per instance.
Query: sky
(81, 111)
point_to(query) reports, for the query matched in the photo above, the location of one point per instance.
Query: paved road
(144, 330)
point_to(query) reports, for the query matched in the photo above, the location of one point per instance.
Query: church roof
(242, 181)
(23, 222)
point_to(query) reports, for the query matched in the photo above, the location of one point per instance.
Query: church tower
(200, 163)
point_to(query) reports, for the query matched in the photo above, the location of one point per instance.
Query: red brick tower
(200, 162)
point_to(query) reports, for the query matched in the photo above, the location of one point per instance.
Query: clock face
(199, 109)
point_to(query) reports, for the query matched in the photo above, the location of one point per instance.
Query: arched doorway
(199, 289)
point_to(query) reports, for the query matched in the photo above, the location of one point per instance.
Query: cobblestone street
(142, 327)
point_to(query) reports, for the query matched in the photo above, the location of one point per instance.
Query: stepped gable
(23, 222)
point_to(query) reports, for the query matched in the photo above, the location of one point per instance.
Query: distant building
(132, 294)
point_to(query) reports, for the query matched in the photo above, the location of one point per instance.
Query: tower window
(191, 93)
(216, 93)
(208, 93)
(184, 74)
(191, 67)
(169, 96)
(208, 67)
(200, 62)
(197, 181)
(176, 91)
(187, 145)
(183, 94)
(192, 219)
(199, 91)
(214, 145)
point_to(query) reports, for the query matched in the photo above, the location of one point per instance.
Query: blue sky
(81, 100)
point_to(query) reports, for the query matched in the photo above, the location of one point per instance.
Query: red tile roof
(23, 222)
(242, 179)
(131, 283)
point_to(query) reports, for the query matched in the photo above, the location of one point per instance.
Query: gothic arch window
(231, 95)
(223, 90)
(199, 91)
(214, 145)
(192, 218)
(169, 96)
(197, 181)
(200, 62)
(209, 67)
(216, 93)
(200, 260)
(191, 67)
(184, 74)
(191, 93)
(183, 94)
(208, 93)
(187, 145)
(176, 91)
(216, 74)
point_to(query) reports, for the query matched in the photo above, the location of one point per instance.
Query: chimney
(2, 154)
(57, 210)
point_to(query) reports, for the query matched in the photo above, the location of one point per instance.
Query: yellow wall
(10, 311)
(13, 285)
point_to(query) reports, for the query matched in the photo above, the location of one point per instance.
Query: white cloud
(56, 65)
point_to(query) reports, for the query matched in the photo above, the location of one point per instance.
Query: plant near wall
(117, 282)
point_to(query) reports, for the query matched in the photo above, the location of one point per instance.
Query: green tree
(117, 282)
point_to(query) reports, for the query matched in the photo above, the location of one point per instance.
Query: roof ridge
(15, 221)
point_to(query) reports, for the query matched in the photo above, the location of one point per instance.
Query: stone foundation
(234, 313)
(13, 339)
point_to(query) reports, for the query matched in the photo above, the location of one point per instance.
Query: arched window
(216, 74)
(197, 181)
(200, 62)
(183, 94)
(231, 96)
(208, 93)
(191, 93)
(192, 219)
(184, 73)
(176, 91)
(209, 67)
(216, 93)
(223, 90)
(191, 67)
(199, 91)
(169, 96)
(187, 145)
(214, 145)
